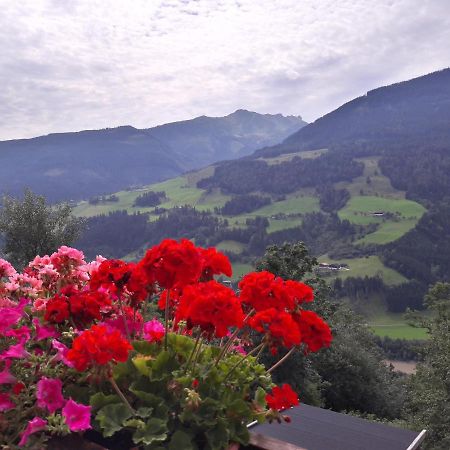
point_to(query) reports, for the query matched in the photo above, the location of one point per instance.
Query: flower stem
(120, 394)
(282, 360)
(166, 320)
(193, 352)
(257, 348)
(228, 344)
(127, 331)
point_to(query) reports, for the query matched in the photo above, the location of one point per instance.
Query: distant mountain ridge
(73, 166)
(409, 111)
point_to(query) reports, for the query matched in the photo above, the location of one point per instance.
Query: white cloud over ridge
(83, 64)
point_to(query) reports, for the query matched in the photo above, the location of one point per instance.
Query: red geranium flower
(211, 306)
(282, 398)
(262, 290)
(214, 263)
(299, 292)
(172, 263)
(279, 326)
(315, 332)
(98, 346)
(57, 309)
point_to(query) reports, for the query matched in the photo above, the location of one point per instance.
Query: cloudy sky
(68, 65)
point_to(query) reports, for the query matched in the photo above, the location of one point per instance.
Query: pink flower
(10, 316)
(239, 349)
(35, 425)
(6, 403)
(6, 377)
(66, 258)
(6, 269)
(21, 334)
(44, 332)
(15, 351)
(40, 304)
(61, 353)
(49, 394)
(153, 330)
(77, 416)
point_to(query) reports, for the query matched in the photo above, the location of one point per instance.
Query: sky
(68, 65)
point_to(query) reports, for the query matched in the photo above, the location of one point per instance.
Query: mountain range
(73, 166)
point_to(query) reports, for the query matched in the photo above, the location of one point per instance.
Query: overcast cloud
(68, 65)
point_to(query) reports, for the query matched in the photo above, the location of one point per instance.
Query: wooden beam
(269, 443)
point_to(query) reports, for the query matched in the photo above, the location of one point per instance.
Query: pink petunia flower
(44, 332)
(22, 334)
(6, 403)
(34, 425)
(6, 377)
(15, 351)
(49, 394)
(77, 416)
(10, 316)
(61, 353)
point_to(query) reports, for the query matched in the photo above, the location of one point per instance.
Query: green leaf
(141, 364)
(145, 348)
(99, 400)
(155, 430)
(134, 423)
(112, 417)
(181, 441)
(144, 412)
(260, 397)
(182, 345)
(218, 437)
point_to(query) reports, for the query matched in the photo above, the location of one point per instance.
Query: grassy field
(370, 266)
(230, 246)
(240, 269)
(371, 182)
(395, 326)
(359, 210)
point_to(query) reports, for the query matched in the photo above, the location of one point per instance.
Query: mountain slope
(78, 165)
(410, 111)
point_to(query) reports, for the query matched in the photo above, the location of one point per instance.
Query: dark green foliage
(400, 349)
(422, 253)
(405, 295)
(245, 176)
(357, 288)
(114, 235)
(31, 227)
(244, 204)
(428, 404)
(103, 199)
(150, 198)
(332, 200)
(421, 170)
(119, 233)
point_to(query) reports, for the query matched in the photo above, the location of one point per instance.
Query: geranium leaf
(99, 400)
(181, 441)
(112, 417)
(218, 437)
(145, 348)
(140, 362)
(155, 430)
(260, 397)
